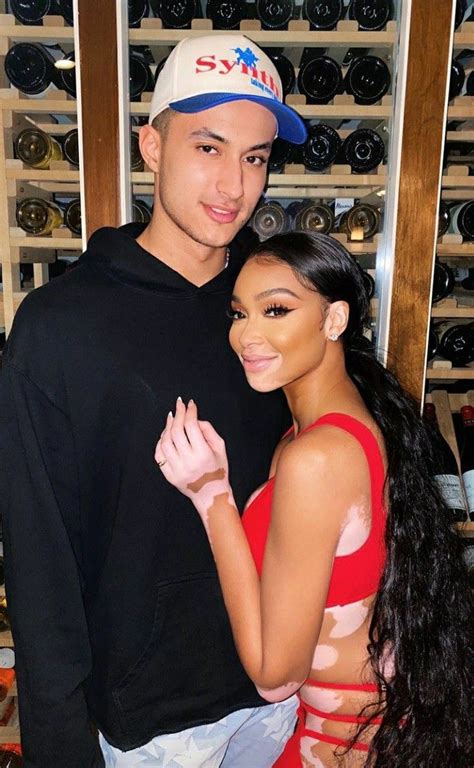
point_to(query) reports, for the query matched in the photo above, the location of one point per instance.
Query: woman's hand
(192, 456)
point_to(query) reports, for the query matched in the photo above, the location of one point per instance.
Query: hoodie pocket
(189, 662)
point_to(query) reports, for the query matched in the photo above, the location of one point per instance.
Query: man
(115, 606)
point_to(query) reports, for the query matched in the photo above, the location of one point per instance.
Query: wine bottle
(4, 620)
(275, 14)
(467, 456)
(9, 758)
(460, 12)
(468, 282)
(141, 78)
(319, 79)
(269, 219)
(226, 15)
(136, 159)
(371, 15)
(65, 74)
(369, 283)
(367, 79)
(314, 217)
(363, 150)
(462, 220)
(446, 473)
(285, 69)
(444, 218)
(456, 80)
(282, 153)
(140, 212)
(72, 217)
(158, 69)
(457, 344)
(176, 14)
(30, 68)
(38, 217)
(71, 147)
(65, 9)
(36, 148)
(432, 343)
(30, 11)
(321, 147)
(137, 11)
(443, 281)
(360, 222)
(323, 15)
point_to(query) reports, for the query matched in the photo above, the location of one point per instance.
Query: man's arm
(40, 510)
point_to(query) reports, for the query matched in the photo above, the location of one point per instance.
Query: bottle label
(450, 487)
(468, 480)
(343, 204)
(7, 658)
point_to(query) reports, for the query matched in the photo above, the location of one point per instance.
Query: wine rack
(456, 185)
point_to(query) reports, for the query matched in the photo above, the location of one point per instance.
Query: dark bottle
(65, 9)
(314, 217)
(321, 147)
(285, 69)
(462, 220)
(36, 148)
(446, 472)
(275, 14)
(30, 68)
(320, 79)
(367, 79)
(460, 12)
(360, 222)
(72, 217)
(4, 620)
(467, 457)
(369, 283)
(136, 159)
(323, 14)
(141, 213)
(457, 345)
(443, 281)
(470, 84)
(71, 147)
(37, 216)
(269, 219)
(10, 758)
(141, 78)
(158, 69)
(444, 218)
(66, 77)
(371, 15)
(227, 14)
(175, 14)
(30, 11)
(282, 154)
(363, 150)
(468, 282)
(432, 343)
(137, 11)
(456, 80)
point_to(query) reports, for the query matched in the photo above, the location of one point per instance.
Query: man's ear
(150, 141)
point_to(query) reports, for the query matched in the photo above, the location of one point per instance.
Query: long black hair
(422, 611)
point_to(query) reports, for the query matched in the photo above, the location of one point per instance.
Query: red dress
(354, 576)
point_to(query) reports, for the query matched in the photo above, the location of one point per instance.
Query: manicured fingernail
(179, 399)
(191, 402)
(170, 415)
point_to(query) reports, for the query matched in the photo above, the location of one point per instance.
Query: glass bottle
(446, 472)
(227, 14)
(360, 222)
(371, 15)
(285, 69)
(444, 218)
(367, 79)
(275, 14)
(30, 68)
(457, 344)
(136, 159)
(314, 217)
(141, 78)
(321, 147)
(282, 154)
(319, 79)
(269, 219)
(37, 216)
(462, 220)
(363, 150)
(66, 78)
(71, 147)
(30, 11)
(72, 217)
(456, 80)
(36, 148)
(322, 15)
(176, 14)
(141, 213)
(137, 11)
(443, 281)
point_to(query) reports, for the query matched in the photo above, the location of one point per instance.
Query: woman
(345, 581)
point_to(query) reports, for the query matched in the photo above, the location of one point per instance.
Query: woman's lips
(221, 215)
(253, 364)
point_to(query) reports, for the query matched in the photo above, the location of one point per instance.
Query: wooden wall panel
(420, 178)
(100, 117)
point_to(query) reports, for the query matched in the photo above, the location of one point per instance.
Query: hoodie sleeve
(38, 488)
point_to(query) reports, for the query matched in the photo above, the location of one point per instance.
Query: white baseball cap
(203, 72)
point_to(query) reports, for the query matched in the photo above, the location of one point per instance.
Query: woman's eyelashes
(272, 310)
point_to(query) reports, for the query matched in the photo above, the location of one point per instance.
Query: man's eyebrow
(205, 133)
(269, 292)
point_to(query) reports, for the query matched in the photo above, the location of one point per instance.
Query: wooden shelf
(455, 249)
(47, 33)
(464, 37)
(292, 38)
(35, 174)
(458, 181)
(452, 312)
(9, 735)
(57, 243)
(6, 640)
(298, 180)
(36, 106)
(449, 373)
(466, 529)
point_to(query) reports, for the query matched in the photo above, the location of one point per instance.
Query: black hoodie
(116, 610)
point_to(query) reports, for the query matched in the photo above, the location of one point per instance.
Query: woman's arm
(275, 622)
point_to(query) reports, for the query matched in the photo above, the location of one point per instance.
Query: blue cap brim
(290, 125)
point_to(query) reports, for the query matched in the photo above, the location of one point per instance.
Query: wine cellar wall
(339, 66)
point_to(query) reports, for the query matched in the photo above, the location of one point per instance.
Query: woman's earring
(333, 336)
